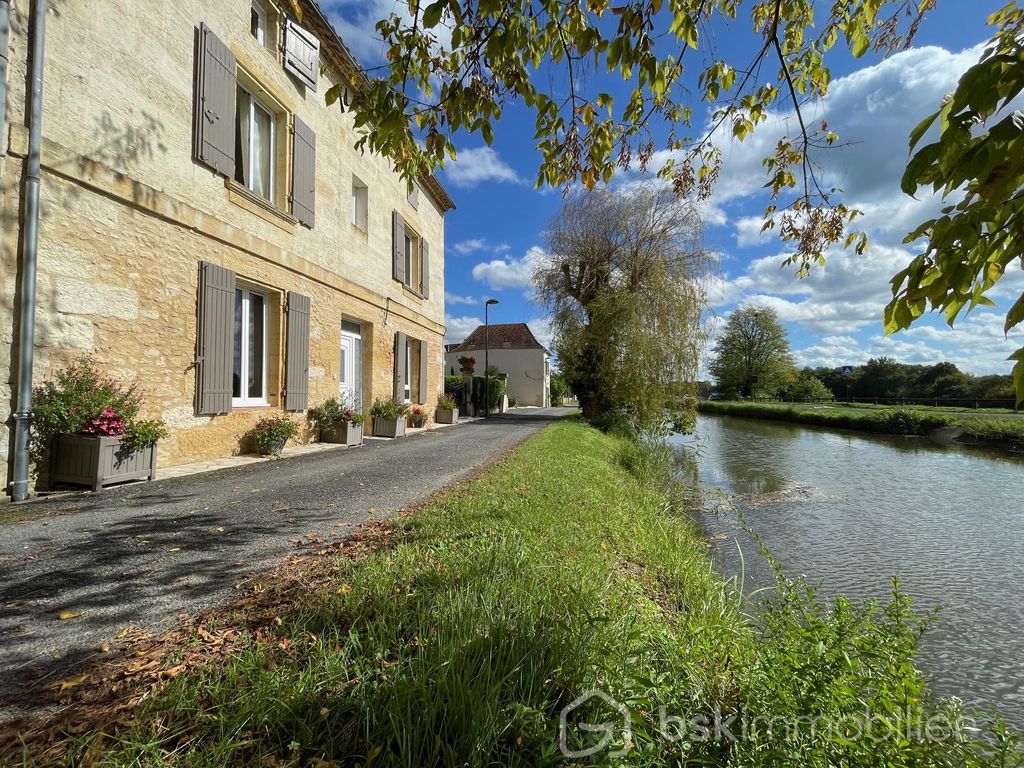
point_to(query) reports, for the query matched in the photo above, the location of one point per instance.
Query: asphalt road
(142, 554)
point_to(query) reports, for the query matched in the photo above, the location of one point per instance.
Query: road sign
(847, 370)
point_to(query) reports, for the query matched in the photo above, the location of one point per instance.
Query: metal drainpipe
(30, 246)
(5, 29)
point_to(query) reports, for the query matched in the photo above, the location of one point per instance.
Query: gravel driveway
(140, 555)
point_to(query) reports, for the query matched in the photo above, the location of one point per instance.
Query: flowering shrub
(105, 424)
(417, 416)
(446, 402)
(80, 400)
(270, 434)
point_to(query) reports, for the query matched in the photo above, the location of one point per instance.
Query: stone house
(206, 224)
(514, 351)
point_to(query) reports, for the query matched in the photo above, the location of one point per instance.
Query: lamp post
(487, 366)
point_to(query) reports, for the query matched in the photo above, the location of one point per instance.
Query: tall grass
(566, 568)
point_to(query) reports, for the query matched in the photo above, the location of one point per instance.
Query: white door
(351, 372)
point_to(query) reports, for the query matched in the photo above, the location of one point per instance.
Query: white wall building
(514, 351)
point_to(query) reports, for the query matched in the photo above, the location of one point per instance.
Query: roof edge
(346, 60)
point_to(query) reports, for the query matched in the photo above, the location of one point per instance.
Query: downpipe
(30, 251)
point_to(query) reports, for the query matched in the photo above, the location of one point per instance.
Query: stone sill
(253, 203)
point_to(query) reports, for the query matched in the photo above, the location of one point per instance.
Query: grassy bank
(458, 634)
(890, 421)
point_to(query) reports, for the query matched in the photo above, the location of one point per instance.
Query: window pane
(256, 25)
(255, 356)
(242, 136)
(343, 380)
(236, 359)
(262, 151)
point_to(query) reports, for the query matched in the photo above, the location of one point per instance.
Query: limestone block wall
(126, 217)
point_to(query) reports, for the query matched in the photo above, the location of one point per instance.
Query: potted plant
(271, 433)
(388, 417)
(467, 363)
(337, 423)
(86, 428)
(417, 417)
(447, 412)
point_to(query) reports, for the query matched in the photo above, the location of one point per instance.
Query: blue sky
(834, 316)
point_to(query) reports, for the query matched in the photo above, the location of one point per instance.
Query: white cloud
(476, 165)
(542, 329)
(356, 22)
(458, 328)
(509, 273)
(475, 244)
(454, 298)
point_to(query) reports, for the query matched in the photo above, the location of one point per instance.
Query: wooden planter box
(98, 461)
(442, 416)
(388, 427)
(345, 433)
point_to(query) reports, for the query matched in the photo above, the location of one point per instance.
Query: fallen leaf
(68, 682)
(104, 647)
(68, 614)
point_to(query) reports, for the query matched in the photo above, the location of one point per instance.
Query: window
(413, 262)
(258, 23)
(360, 204)
(249, 360)
(255, 147)
(263, 23)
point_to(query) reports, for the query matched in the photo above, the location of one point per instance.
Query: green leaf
(1015, 315)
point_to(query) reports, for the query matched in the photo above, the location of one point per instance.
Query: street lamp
(487, 350)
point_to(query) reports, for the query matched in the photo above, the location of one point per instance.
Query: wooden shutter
(296, 374)
(215, 339)
(301, 53)
(398, 246)
(424, 269)
(303, 173)
(213, 111)
(424, 368)
(400, 360)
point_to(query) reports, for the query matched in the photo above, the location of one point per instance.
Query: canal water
(852, 510)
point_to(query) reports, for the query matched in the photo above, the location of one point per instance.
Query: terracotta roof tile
(502, 336)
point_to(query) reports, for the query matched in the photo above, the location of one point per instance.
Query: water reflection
(853, 510)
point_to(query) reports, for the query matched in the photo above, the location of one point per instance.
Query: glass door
(351, 372)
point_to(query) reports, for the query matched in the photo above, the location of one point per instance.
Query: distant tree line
(752, 360)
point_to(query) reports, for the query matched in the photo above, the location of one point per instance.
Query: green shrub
(80, 399)
(558, 389)
(331, 414)
(388, 408)
(446, 402)
(270, 433)
(455, 386)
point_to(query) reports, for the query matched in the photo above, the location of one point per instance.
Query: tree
(537, 53)
(751, 357)
(455, 64)
(808, 388)
(623, 282)
(977, 239)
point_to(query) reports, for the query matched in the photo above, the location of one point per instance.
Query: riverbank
(562, 587)
(1007, 433)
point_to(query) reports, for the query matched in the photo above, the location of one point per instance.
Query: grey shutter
(301, 53)
(425, 269)
(398, 246)
(296, 374)
(213, 111)
(215, 339)
(423, 371)
(400, 360)
(303, 173)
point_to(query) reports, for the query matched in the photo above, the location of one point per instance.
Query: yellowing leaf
(68, 614)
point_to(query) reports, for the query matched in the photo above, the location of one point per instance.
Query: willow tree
(624, 284)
